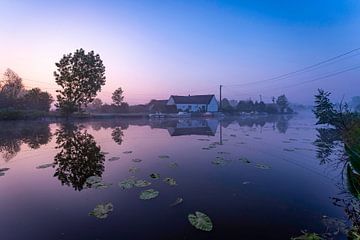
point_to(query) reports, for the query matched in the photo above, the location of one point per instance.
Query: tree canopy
(117, 96)
(80, 75)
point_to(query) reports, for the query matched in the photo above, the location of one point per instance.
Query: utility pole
(220, 99)
(260, 98)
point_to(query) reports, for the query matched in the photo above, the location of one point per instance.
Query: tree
(118, 97)
(80, 75)
(282, 102)
(226, 106)
(324, 109)
(11, 88)
(37, 99)
(95, 105)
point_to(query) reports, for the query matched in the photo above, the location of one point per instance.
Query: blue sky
(156, 48)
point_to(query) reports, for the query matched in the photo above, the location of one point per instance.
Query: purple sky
(156, 48)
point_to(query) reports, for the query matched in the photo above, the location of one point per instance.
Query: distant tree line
(281, 105)
(17, 102)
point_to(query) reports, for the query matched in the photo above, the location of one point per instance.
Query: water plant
(148, 194)
(200, 221)
(101, 211)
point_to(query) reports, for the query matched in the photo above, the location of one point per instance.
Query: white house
(195, 103)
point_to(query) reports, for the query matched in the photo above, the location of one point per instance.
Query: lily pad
(104, 153)
(47, 165)
(244, 160)
(136, 160)
(200, 221)
(170, 181)
(164, 156)
(142, 183)
(127, 184)
(155, 175)
(4, 169)
(307, 236)
(262, 166)
(289, 149)
(134, 169)
(127, 152)
(205, 148)
(101, 211)
(223, 152)
(232, 135)
(2, 174)
(96, 182)
(246, 183)
(148, 194)
(113, 159)
(173, 165)
(178, 201)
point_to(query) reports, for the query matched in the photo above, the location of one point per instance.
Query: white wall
(213, 106)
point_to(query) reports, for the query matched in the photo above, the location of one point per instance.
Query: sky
(153, 49)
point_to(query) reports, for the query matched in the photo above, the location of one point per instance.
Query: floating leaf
(113, 159)
(127, 152)
(47, 165)
(178, 201)
(244, 160)
(101, 211)
(289, 150)
(4, 169)
(170, 181)
(127, 184)
(219, 161)
(308, 236)
(200, 221)
(155, 175)
(164, 156)
(133, 169)
(223, 152)
(136, 160)
(148, 194)
(262, 166)
(96, 182)
(142, 183)
(173, 165)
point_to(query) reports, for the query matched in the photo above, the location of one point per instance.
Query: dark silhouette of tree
(13, 134)
(11, 84)
(37, 100)
(117, 135)
(283, 103)
(79, 157)
(80, 75)
(226, 106)
(118, 97)
(282, 124)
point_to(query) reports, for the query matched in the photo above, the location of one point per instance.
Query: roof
(195, 99)
(154, 101)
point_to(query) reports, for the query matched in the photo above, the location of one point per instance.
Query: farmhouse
(195, 103)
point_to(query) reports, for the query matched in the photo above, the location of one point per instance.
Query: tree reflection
(13, 134)
(328, 142)
(117, 135)
(79, 158)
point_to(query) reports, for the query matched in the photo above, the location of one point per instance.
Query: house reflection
(181, 127)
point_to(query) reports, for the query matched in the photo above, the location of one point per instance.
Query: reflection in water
(280, 122)
(13, 134)
(117, 135)
(328, 141)
(331, 150)
(79, 157)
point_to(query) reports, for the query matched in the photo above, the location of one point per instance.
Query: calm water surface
(287, 184)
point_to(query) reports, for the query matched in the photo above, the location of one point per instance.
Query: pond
(254, 177)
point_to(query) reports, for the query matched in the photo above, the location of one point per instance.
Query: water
(290, 191)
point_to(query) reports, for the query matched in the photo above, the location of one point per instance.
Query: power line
(286, 75)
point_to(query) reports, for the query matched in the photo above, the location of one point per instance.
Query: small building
(195, 103)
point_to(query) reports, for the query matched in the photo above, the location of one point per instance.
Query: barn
(195, 103)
